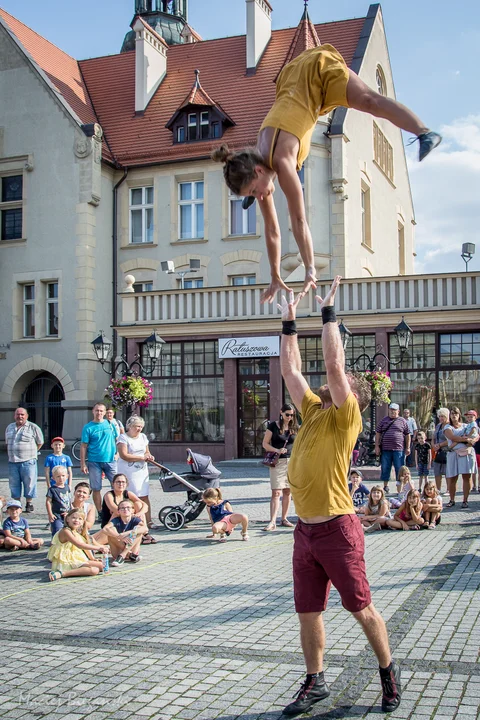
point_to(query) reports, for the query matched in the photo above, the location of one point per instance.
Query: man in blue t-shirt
(99, 445)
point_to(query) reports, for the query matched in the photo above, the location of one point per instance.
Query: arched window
(381, 82)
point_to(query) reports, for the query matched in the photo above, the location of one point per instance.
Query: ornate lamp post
(103, 349)
(403, 333)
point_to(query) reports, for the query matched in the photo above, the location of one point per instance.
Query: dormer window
(201, 125)
(199, 117)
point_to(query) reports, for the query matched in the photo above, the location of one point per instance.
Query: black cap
(247, 202)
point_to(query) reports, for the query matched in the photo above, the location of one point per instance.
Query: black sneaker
(428, 141)
(311, 692)
(135, 558)
(392, 689)
(29, 507)
(386, 490)
(119, 560)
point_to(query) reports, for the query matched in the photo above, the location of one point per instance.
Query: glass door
(253, 405)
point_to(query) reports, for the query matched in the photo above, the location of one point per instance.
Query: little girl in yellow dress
(71, 549)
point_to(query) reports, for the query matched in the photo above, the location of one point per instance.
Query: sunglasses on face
(288, 414)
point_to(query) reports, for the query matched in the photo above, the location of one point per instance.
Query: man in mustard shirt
(329, 542)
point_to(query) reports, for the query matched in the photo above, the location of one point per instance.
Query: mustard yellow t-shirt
(312, 84)
(318, 468)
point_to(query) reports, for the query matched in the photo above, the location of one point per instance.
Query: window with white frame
(181, 134)
(11, 210)
(242, 222)
(142, 287)
(29, 310)
(51, 300)
(204, 124)
(190, 210)
(192, 126)
(192, 284)
(141, 215)
(243, 279)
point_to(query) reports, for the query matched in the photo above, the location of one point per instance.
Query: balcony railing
(355, 296)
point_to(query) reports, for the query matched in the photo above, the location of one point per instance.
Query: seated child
(123, 534)
(80, 501)
(358, 491)
(222, 517)
(71, 550)
(16, 530)
(423, 458)
(432, 505)
(408, 515)
(404, 485)
(59, 499)
(377, 510)
(58, 457)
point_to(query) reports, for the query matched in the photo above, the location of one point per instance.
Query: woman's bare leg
(438, 482)
(286, 497)
(452, 487)
(274, 505)
(467, 485)
(363, 98)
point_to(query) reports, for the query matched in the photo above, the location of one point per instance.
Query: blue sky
(435, 54)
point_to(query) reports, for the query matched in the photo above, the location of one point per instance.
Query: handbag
(440, 455)
(271, 458)
(463, 451)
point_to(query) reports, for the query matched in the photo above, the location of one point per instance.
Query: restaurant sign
(249, 347)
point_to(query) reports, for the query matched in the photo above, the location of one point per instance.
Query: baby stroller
(203, 475)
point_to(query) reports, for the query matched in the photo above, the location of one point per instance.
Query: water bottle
(132, 536)
(105, 563)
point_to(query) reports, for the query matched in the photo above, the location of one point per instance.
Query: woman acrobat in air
(313, 84)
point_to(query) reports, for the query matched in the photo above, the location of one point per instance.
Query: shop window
(11, 208)
(460, 349)
(459, 388)
(188, 400)
(420, 353)
(415, 390)
(141, 215)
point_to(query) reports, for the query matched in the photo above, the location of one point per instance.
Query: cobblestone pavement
(202, 630)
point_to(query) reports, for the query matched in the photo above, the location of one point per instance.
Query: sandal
(450, 504)
(415, 527)
(34, 546)
(464, 504)
(432, 526)
(223, 539)
(287, 523)
(55, 575)
(245, 536)
(270, 527)
(148, 539)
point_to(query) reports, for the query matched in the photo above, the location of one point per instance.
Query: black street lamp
(403, 333)
(103, 349)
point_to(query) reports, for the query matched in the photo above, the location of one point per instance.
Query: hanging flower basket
(381, 386)
(129, 391)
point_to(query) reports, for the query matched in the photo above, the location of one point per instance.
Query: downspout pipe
(115, 262)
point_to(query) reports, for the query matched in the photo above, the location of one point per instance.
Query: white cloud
(446, 194)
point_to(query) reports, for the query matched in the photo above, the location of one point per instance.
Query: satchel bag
(271, 458)
(440, 455)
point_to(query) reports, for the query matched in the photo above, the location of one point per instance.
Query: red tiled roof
(61, 69)
(144, 139)
(305, 38)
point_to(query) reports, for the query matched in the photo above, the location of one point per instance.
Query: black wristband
(328, 314)
(289, 327)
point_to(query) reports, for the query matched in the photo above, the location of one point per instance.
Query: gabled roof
(103, 89)
(305, 38)
(61, 69)
(199, 97)
(149, 28)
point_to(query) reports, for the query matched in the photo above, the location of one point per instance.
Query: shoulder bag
(271, 458)
(441, 455)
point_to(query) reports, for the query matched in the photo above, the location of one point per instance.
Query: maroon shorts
(326, 553)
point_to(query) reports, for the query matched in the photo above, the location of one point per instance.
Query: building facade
(105, 173)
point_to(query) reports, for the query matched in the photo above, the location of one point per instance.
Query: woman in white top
(133, 450)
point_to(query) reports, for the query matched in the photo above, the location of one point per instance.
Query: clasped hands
(288, 308)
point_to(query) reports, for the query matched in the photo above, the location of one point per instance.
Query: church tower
(169, 19)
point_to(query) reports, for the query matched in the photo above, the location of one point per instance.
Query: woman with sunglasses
(279, 438)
